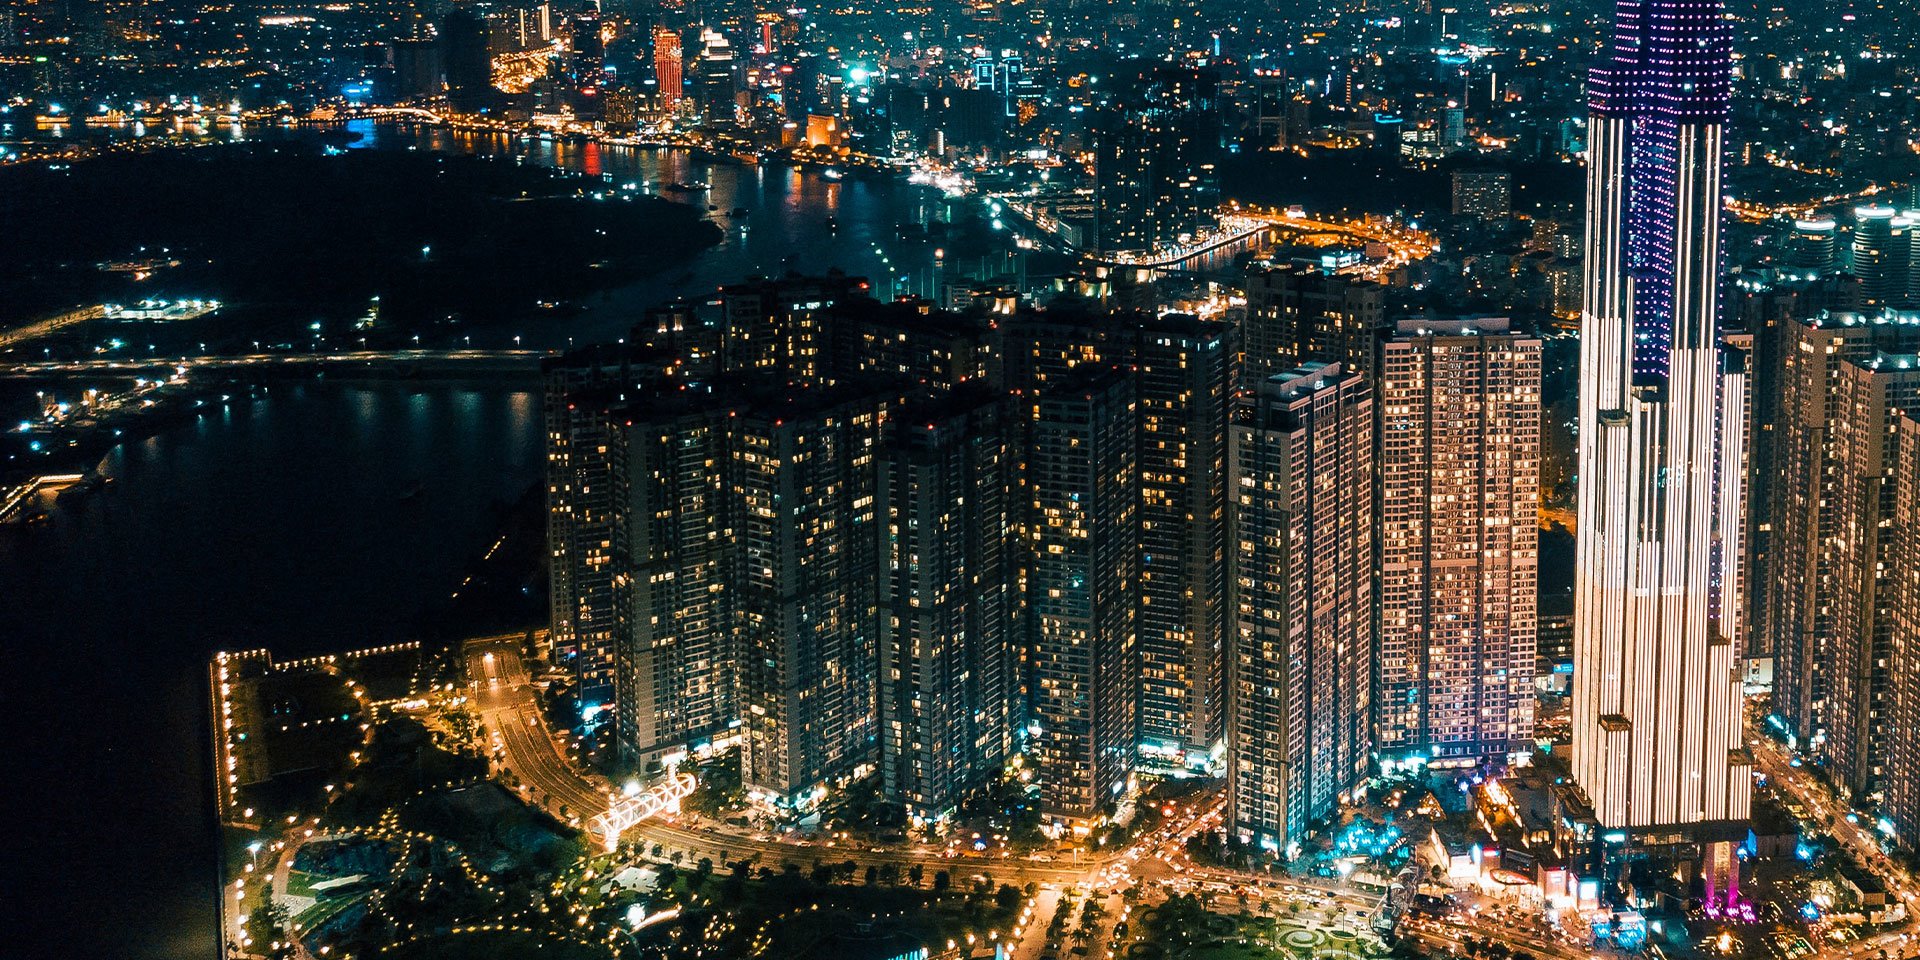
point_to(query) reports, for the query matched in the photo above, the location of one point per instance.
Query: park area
(1182, 929)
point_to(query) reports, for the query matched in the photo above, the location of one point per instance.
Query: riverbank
(309, 518)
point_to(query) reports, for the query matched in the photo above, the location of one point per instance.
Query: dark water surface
(281, 522)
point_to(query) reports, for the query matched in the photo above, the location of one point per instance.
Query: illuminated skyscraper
(718, 83)
(1184, 371)
(1298, 315)
(667, 66)
(581, 389)
(1156, 167)
(1657, 685)
(1839, 378)
(1874, 257)
(1811, 248)
(673, 653)
(589, 50)
(802, 468)
(1902, 804)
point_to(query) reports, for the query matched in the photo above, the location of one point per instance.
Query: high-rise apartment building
(803, 468)
(1870, 394)
(1184, 371)
(1657, 739)
(673, 525)
(1807, 511)
(1835, 393)
(1298, 315)
(1902, 794)
(783, 325)
(950, 645)
(1082, 589)
(1459, 504)
(1302, 591)
(582, 390)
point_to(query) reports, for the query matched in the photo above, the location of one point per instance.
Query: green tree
(1007, 898)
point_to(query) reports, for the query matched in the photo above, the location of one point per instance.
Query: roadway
(1858, 839)
(501, 690)
(503, 695)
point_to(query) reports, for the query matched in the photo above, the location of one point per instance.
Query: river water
(284, 520)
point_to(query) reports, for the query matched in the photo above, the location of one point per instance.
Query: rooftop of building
(1850, 318)
(1425, 326)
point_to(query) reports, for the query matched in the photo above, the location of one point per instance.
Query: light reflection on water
(282, 521)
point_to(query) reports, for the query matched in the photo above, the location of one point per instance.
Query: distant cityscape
(1028, 480)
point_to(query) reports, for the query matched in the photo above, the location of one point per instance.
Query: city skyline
(939, 481)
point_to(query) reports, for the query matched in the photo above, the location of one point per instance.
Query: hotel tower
(1657, 689)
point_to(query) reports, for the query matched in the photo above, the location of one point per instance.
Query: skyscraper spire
(1657, 692)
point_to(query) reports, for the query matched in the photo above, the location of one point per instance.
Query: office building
(1459, 461)
(1875, 261)
(1183, 368)
(1811, 247)
(417, 73)
(621, 109)
(1082, 577)
(949, 686)
(668, 70)
(717, 86)
(1487, 194)
(466, 62)
(1657, 739)
(587, 49)
(1302, 590)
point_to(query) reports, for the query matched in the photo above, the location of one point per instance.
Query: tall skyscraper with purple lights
(1657, 685)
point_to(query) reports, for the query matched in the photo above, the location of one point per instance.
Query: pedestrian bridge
(652, 801)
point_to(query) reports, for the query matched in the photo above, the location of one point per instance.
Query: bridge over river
(365, 363)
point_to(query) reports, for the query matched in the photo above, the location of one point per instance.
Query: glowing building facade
(1657, 683)
(1459, 502)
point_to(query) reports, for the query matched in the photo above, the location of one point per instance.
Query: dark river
(284, 521)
